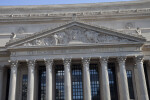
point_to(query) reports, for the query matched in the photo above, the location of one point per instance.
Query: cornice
(75, 46)
(68, 15)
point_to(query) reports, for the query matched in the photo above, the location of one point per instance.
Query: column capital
(67, 61)
(103, 59)
(14, 65)
(139, 59)
(86, 60)
(48, 61)
(31, 62)
(31, 65)
(13, 62)
(121, 59)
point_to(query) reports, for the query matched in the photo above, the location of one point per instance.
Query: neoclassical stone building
(75, 52)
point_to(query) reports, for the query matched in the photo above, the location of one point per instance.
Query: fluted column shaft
(123, 78)
(67, 76)
(105, 79)
(31, 69)
(49, 80)
(86, 79)
(13, 80)
(142, 81)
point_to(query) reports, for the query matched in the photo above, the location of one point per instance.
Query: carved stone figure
(138, 30)
(13, 35)
(76, 35)
(92, 36)
(57, 39)
(38, 42)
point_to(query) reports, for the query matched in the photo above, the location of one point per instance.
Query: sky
(50, 2)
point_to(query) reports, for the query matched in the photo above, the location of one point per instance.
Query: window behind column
(147, 81)
(59, 79)
(77, 84)
(94, 79)
(130, 84)
(24, 86)
(42, 83)
(7, 84)
(112, 81)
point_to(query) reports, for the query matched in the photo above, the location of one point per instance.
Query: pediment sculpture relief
(76, 35)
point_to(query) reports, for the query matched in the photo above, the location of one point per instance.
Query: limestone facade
(79, 34)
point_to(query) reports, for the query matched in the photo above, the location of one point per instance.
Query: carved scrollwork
(31, 65)
(104, 60)
(67, 63)
(49, 64)
(14, 66)
(121, 59)
(86, 61)
(139, 59)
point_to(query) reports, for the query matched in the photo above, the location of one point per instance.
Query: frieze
(76, 35)
(94, 13)
(74, 51)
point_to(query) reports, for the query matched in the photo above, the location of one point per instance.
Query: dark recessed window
(94, 78)
(42, 83)
(59, 78)
(130, 84)
(8, 82)
(147, 80)
(24, 86)
(112, 81)
(77, 84)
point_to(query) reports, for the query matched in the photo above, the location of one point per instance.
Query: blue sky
(50, 2)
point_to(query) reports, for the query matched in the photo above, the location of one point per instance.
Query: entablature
(104, 14)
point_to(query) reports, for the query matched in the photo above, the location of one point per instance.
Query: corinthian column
(105, 79)
(67, 76)
(86, 79)
(13, 80)
(141, 75)
(49, 81)
(123, 78)
(30, 92)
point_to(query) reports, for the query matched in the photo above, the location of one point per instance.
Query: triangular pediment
(75, 33)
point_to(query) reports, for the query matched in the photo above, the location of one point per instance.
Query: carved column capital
(14, 66)
(86, 60)
(67, 61)
(139, 59)
(103, 59)
(31, 65)
(48, 61)
(121, 59)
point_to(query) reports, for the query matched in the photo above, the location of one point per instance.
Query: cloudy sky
(50, 2)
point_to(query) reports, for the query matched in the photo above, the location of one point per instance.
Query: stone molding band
(94, 13)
